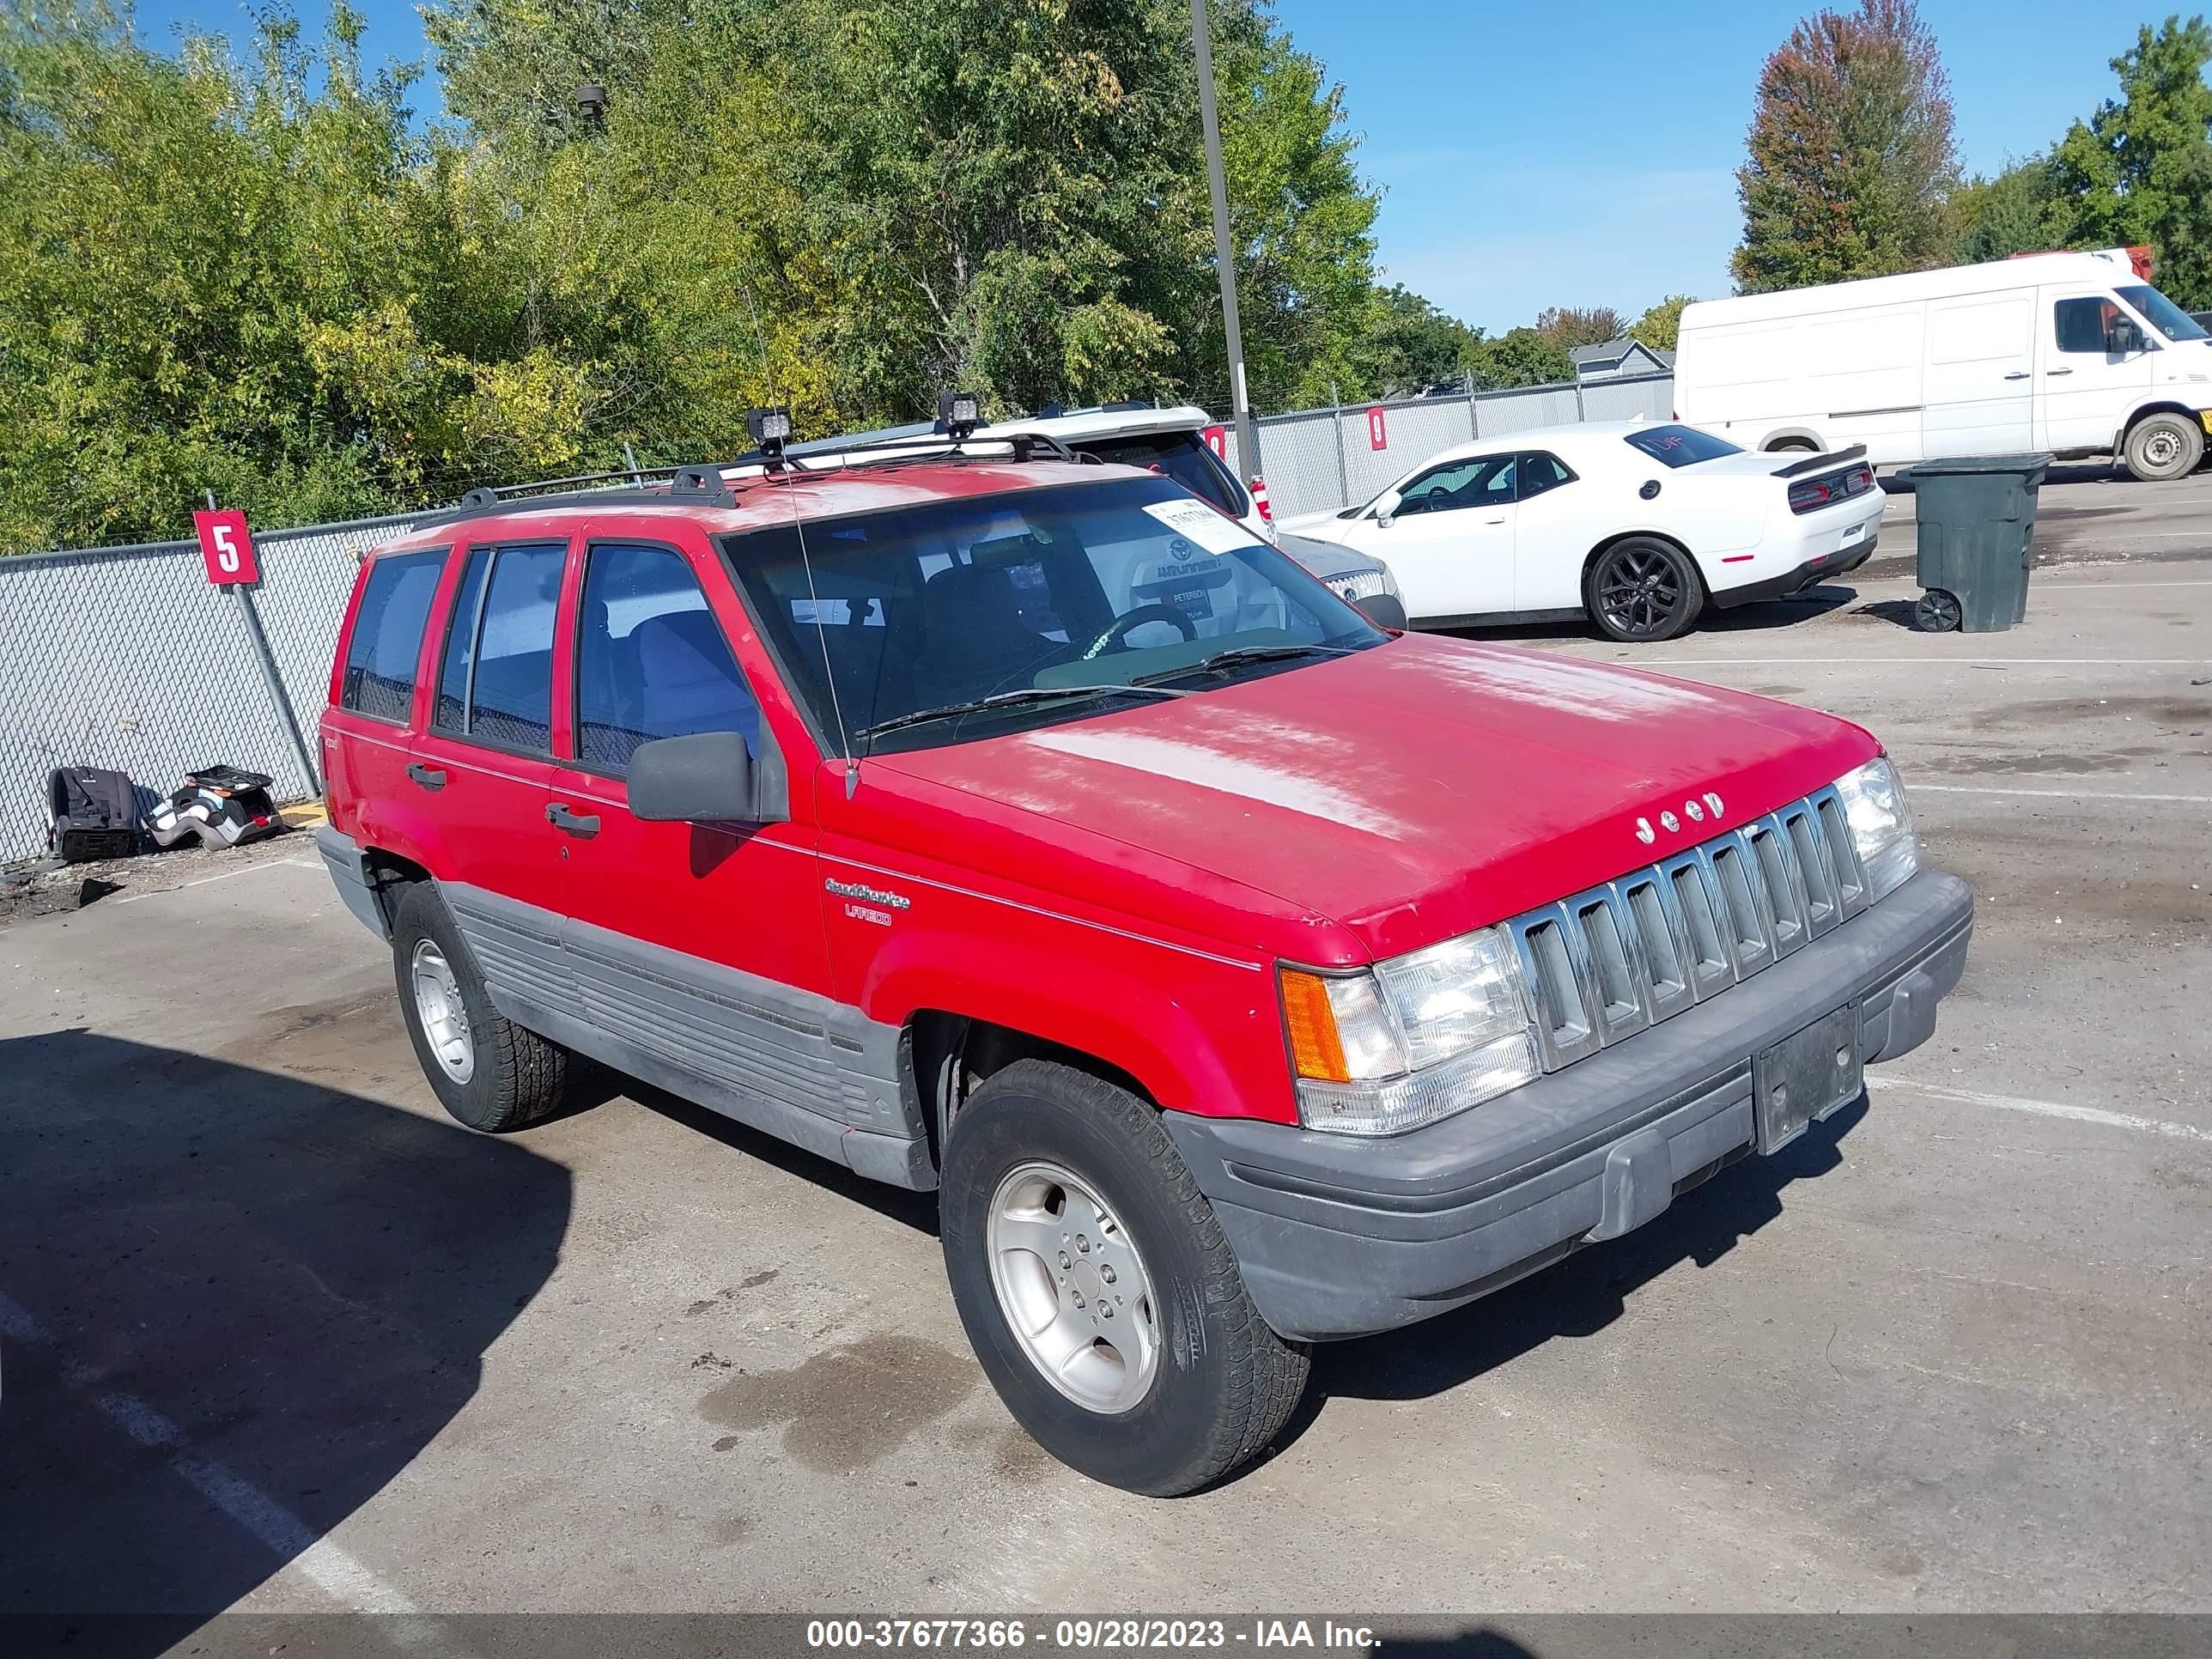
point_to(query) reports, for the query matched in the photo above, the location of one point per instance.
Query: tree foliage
(1408, 345)
(1662, 326)
(1851, 159)
(1568, 327)
(1520, 357)
(266, 278)
(2018, 210)
(2139, 169)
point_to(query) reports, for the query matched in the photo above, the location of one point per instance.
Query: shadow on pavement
(234, 1305)
(1580, 1296)
(1799, 607)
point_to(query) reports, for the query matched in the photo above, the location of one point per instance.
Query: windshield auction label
(1194, 521)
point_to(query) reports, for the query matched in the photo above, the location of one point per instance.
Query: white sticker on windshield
(1197, 522)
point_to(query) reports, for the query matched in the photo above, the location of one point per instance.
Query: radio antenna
(761, 423)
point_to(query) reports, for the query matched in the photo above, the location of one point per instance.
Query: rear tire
(2162, 447)
(489, 1073)
(1642, 590)
(1183, 1382)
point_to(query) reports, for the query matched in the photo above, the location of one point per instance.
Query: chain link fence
(1319, 460)
(126, 658)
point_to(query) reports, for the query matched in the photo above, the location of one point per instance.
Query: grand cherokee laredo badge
(869, 904)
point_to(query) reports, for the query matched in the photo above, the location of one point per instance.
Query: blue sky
(1583, 154)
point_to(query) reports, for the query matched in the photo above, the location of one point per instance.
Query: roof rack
(906, 446)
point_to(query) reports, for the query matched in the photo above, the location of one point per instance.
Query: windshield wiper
(1236, 656)
(1016, 699)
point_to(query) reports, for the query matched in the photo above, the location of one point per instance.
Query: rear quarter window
(387, 635)
(1680, 446)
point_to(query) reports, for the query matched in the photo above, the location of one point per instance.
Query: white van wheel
(2162, 447)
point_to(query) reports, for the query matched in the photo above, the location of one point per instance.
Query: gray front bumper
(1339, 1236)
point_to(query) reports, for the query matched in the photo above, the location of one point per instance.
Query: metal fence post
(1474, 422)
(1343, 469)
(271, 678)
(1579, 416)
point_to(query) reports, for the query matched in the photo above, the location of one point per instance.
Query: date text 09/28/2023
(1087, 1635)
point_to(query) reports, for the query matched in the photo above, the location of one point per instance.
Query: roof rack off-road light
(959, 413)
(769, 429)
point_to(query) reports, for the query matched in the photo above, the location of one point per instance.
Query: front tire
(1643, 590)
(1063, 1197)
(2162, 447)
(489, 1073)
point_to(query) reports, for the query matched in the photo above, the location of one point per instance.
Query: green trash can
(1976, 517)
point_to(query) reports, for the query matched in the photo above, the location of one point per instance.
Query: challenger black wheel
(1643, 590)
(1097, 1289)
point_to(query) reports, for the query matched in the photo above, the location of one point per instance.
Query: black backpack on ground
(95, 814)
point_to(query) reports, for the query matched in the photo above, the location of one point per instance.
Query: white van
(2071, 353)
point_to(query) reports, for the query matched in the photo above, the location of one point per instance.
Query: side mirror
(1383, 610)
(1384, 521)
(706, 779)
(2125, 337)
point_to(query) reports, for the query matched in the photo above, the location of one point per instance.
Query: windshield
(2167, 317)
(1681, 446)
(1180, 455)
(1082, 587)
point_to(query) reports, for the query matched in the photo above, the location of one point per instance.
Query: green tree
(2139, 169)
(1851, 155)
(1407, 345)
(2019, 211)
(1301, 220)
(1520, 357)
(1661, 326)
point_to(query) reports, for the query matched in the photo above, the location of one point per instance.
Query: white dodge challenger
(1637, 525)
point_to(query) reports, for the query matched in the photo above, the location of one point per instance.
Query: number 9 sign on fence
(226, 547)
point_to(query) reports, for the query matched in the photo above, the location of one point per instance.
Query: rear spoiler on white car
(1816, 463)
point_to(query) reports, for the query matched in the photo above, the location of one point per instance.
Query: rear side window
(387, 635)
(1541, 472)
(1681, 446)
(502, 687)
(1182, 456)
(651, 660)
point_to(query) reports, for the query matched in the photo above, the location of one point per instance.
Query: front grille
(1605, 963)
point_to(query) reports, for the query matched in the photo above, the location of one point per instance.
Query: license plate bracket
(1807, 1077)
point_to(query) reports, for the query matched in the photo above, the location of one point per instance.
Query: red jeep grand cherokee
(1241, 973)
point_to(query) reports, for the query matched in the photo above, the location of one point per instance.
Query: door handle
(582, 824)
(432, 778)
(1494, 521)
(2058, 370)
(2023, 374)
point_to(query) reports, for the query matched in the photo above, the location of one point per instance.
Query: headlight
(1415, 1039)
(1882, 825)
(1364, 584)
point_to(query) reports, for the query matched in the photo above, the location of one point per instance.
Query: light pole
(1247, 429)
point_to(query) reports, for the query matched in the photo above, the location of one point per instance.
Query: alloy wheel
(1639, 589)
(445, 1016)
(1073, 1289)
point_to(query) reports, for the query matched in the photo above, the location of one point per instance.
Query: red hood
(1416, 790)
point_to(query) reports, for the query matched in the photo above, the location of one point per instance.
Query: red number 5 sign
(226, 547)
